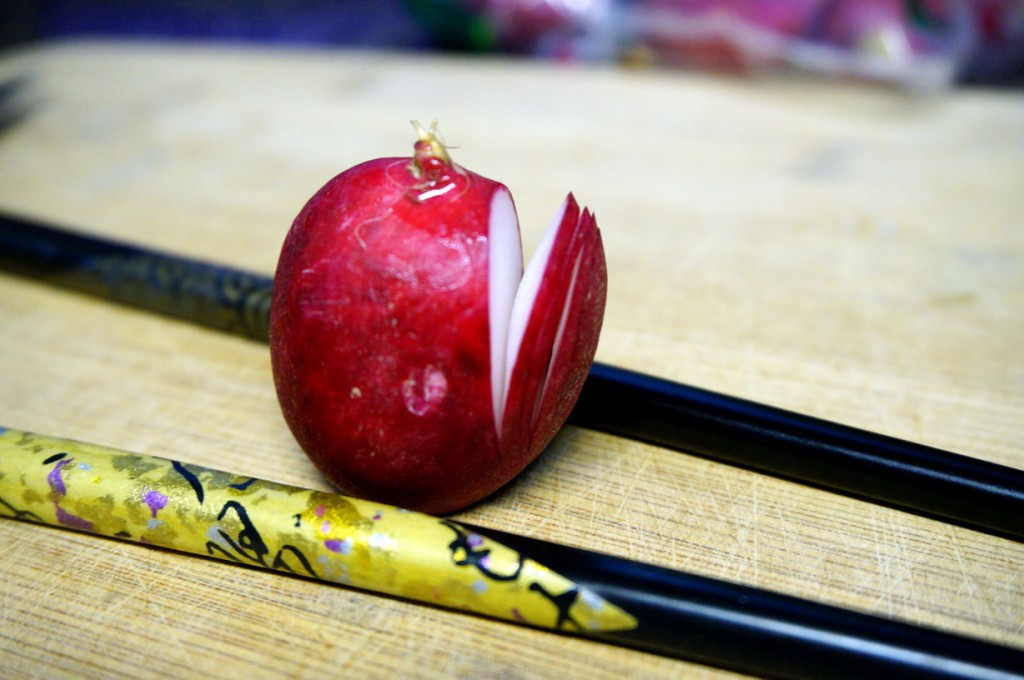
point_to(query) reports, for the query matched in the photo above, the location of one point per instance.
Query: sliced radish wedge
(544, 312)
(526, 294)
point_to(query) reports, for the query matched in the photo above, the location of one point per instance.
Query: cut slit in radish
(553, 269)
(505, 271)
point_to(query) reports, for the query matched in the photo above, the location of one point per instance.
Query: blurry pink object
(912, 43)
(521, 24)
(730, 35)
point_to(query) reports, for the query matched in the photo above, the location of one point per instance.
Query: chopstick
(928, 481)
(444, 563)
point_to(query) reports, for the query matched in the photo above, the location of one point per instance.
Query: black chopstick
(928, 481)
(761, 632)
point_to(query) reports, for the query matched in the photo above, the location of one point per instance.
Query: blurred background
(922, 44)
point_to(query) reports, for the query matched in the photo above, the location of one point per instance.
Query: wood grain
(847, 252)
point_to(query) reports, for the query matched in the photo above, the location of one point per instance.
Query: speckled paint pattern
(309, 533)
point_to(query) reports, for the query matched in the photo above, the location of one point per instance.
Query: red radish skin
(414, 361)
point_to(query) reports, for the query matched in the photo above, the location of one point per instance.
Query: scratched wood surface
(844, 251)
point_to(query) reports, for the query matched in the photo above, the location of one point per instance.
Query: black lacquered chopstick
(209, 295)
(928, 481)
(761, 632)
(895, 472)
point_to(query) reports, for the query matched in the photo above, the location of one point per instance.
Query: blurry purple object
(382, 23)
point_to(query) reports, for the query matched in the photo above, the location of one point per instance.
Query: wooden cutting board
(845, 251)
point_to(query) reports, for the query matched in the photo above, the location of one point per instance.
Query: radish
(415, 361)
